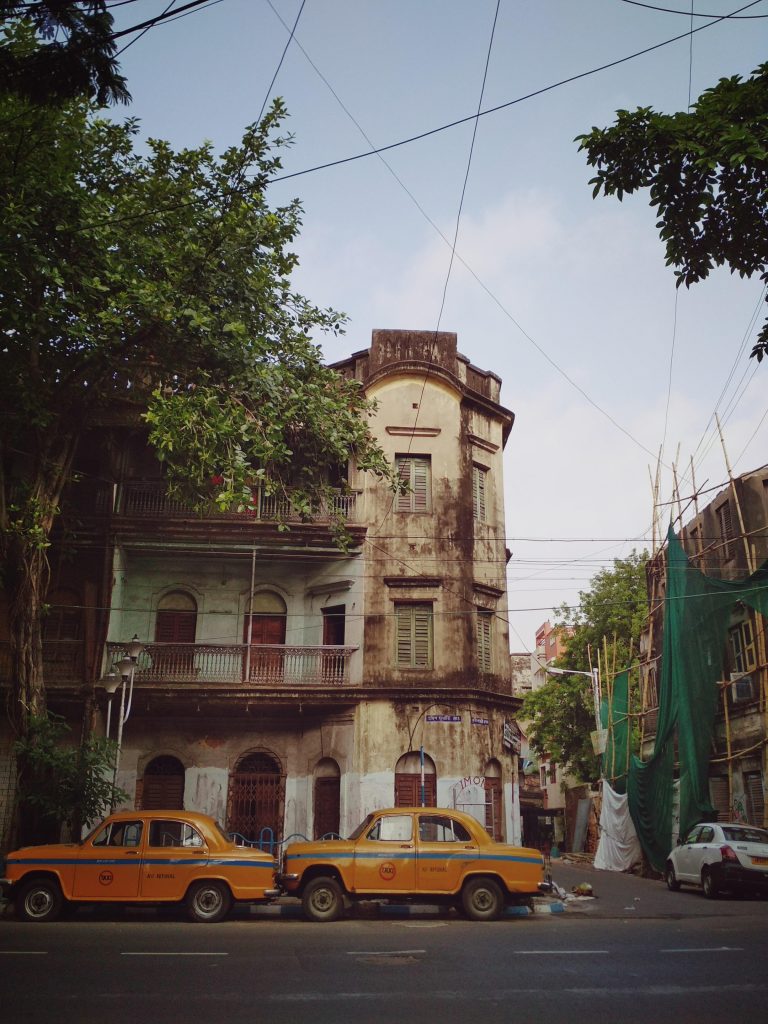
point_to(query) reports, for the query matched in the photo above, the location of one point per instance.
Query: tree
(39, 66)
(562, 712)
(707, 171)
(64, 784)
(159, 281)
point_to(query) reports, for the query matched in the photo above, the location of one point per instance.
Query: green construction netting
(614, 718)
(697, 612)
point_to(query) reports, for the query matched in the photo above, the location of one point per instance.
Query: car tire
(709, 885)
(39, 900)
(322, 900)
(671, 878)
(482, 899)
(208, 902)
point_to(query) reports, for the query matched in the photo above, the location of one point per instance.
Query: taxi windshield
(362, 827)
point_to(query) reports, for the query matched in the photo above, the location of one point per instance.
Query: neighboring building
(286, 686)
(727, 540)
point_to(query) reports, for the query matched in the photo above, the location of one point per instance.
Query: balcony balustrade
(240, 665)
(150, 499)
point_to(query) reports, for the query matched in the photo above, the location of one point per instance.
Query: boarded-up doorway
(408, 781)
(327, 798)
(163, 785)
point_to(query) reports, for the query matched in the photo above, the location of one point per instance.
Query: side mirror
(679, 841)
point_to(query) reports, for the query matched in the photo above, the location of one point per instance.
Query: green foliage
(162, 281)
(562, 712)
(707, 171)
(562, 717)
(57, 50)
(65, 783)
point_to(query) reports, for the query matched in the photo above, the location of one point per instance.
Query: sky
(567, 298)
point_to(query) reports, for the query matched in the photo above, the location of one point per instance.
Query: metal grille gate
(256, 798)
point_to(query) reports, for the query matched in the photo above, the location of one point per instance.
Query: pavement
(618, 894)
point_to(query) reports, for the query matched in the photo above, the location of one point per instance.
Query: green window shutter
(478, 493)
(415, 472)
(413, 643)
(484, 641)
(422, 636)
(404, 636)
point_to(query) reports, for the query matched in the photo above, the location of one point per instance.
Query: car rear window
(746, 835)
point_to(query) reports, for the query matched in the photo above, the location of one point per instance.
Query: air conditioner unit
(742, 689)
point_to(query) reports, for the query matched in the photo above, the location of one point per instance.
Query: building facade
(726, 539)
(285, 685)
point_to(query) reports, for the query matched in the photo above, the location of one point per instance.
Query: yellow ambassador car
(141, 857)
(420, 854)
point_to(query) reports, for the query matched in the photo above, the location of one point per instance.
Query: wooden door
(327, 805)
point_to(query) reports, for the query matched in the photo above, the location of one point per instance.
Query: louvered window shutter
(478, 493)
(422, 635)
(484, 641)
(415, 472)
(414, 636)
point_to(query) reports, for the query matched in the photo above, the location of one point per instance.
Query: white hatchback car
(719, 857)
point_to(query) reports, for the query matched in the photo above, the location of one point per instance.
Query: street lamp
(125, 670)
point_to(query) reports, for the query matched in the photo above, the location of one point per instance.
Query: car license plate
(760, 860)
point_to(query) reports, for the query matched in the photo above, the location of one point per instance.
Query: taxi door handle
(131, 853)
(406, 846)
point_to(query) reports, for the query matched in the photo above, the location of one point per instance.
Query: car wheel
(40, 900)
(671, 878)
(208, 901)
(482, 899)
(709, 885)
(322, 900)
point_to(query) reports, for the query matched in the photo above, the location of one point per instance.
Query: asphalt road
(667, 957)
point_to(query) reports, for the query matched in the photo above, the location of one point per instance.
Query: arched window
(176, 621)
(408, 781)
(163, 785)
(327, 798)
(256, 798)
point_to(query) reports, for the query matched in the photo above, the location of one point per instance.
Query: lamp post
(125, 670)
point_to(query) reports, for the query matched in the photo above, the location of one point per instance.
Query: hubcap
(38, 903)
(323, 899)
(209, 901)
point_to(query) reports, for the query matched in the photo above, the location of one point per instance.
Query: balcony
(272, 665)
(149, 499)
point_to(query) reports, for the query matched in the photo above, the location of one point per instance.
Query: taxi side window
(119, 833)
(173, 833)
(439, 828)
(394, 828)
(693, 835)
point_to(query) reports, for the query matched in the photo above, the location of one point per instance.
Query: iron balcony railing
(150, 499)
(240, 665)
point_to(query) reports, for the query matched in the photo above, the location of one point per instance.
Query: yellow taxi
(141, 857)
(416, 854)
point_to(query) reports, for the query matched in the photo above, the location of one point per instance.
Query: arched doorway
(256, 797)
(163, 785)
(494, 823)
(327, 798)
(264, 626)
(408, 781)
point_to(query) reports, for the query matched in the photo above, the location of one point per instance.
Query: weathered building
(725, 540)
(284, 685)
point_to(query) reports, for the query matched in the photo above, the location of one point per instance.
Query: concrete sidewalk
(620, 895)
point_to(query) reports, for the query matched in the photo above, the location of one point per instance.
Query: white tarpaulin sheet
(619, 847)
